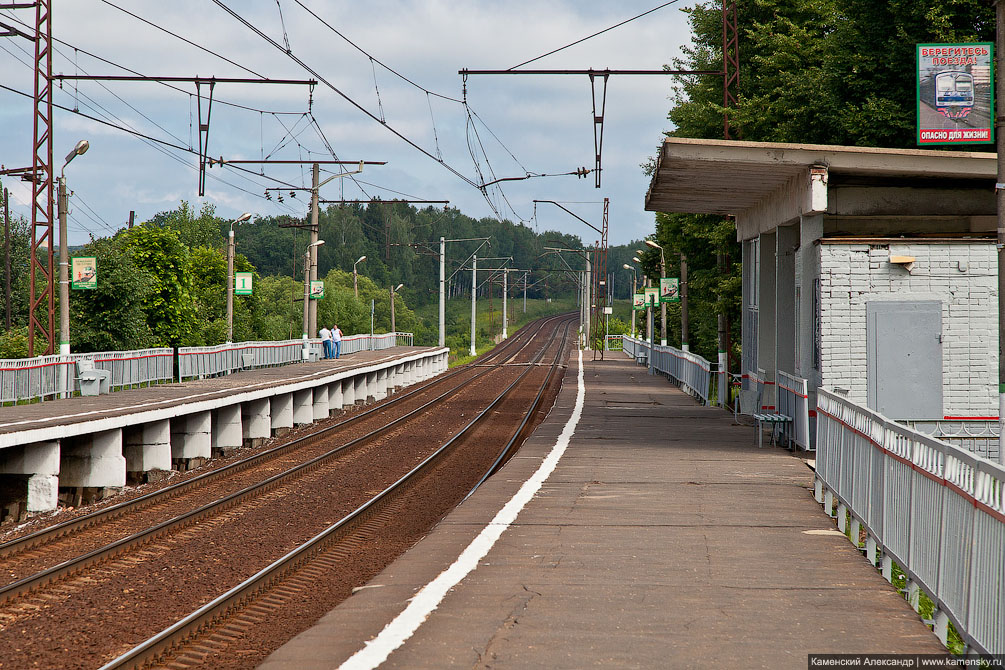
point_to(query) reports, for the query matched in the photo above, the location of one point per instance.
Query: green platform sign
(669, 289)
(242, 283)
(317, 289)
(652, 296)
(639, 301)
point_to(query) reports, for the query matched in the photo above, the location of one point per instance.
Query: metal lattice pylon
(41, 304)
(730, 63)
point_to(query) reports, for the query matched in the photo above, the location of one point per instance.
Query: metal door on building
(904, 358)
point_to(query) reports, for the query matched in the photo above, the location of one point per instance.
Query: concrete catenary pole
(683, 304)
(1000, 192)
(443, 295)
(230, 284)
(313, 310)
(64, 274)
(505, 289)
(474, 291)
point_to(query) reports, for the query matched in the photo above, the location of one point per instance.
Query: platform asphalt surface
(663, 538)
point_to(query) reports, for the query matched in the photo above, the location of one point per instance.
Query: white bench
(93, 381)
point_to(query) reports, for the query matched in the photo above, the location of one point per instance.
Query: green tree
(111, 317)
(171, 313)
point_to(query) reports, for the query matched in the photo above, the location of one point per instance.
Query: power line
(617, 25)
(334, 88)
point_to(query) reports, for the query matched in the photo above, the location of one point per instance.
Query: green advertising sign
(639, 301)
(669, 289)
(84, 272)
(317, 289)
(242, 283)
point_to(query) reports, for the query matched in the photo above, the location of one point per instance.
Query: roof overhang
(732, 178)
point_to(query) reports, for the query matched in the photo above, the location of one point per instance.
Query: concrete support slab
(303, 407)
(786, 243)
(378, 387)
(147, 447)
(41, 462)
(361, 387)
(191, 437)
(282, 413)
(322, 407)
(256, 421)
(346, 391)
(228, 429)
(43, 493)
(93, 461)
(766, 318)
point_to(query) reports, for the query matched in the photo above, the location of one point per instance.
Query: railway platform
(101, 441)
(634, 529)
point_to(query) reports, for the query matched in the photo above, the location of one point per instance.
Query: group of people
(331, 340)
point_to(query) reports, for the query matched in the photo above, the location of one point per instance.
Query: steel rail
(118, 547)
(71, 526)
(257, 585)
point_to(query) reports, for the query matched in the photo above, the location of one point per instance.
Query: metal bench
(93, 381)
(776, 422)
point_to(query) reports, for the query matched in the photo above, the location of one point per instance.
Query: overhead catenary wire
(601, 32)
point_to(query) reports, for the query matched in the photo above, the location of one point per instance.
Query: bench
(93, 381)
(776, 422)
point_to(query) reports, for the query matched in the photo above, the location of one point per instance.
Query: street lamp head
(315, 244)
(243, 217)
(639, 252)
(636, 259)
(82, 147)
(360, 260)
(628, 267)
(653, 244)
(398, 287)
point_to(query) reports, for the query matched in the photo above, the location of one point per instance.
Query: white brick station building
(868, 270)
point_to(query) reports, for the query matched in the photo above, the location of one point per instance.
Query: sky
(512, 124)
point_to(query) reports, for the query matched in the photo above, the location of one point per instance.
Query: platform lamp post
(663, 305)
(635, 279)
(355, 284)
(649, 308)
(394, 291)
(306, 354)
(64, 254)
(230, 276)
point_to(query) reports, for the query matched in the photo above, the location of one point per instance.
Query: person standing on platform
(326, 341)
(336, 334)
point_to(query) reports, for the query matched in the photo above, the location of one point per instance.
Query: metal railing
(45, 377)
(613, 343)
(937, 510)
(978, 436)
(223, 359)
(793, 402)
(687, 370)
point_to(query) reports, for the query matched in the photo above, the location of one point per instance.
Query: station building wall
(961, 276)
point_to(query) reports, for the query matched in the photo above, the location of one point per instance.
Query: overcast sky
(545, 122)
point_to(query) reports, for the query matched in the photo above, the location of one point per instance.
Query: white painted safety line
(398, 631)
(187, 398)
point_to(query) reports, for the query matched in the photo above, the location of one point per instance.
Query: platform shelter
(868, 270)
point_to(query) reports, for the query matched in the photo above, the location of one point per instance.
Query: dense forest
(163, 282)
(811, 71)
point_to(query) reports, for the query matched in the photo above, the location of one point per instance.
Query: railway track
(449, 398)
